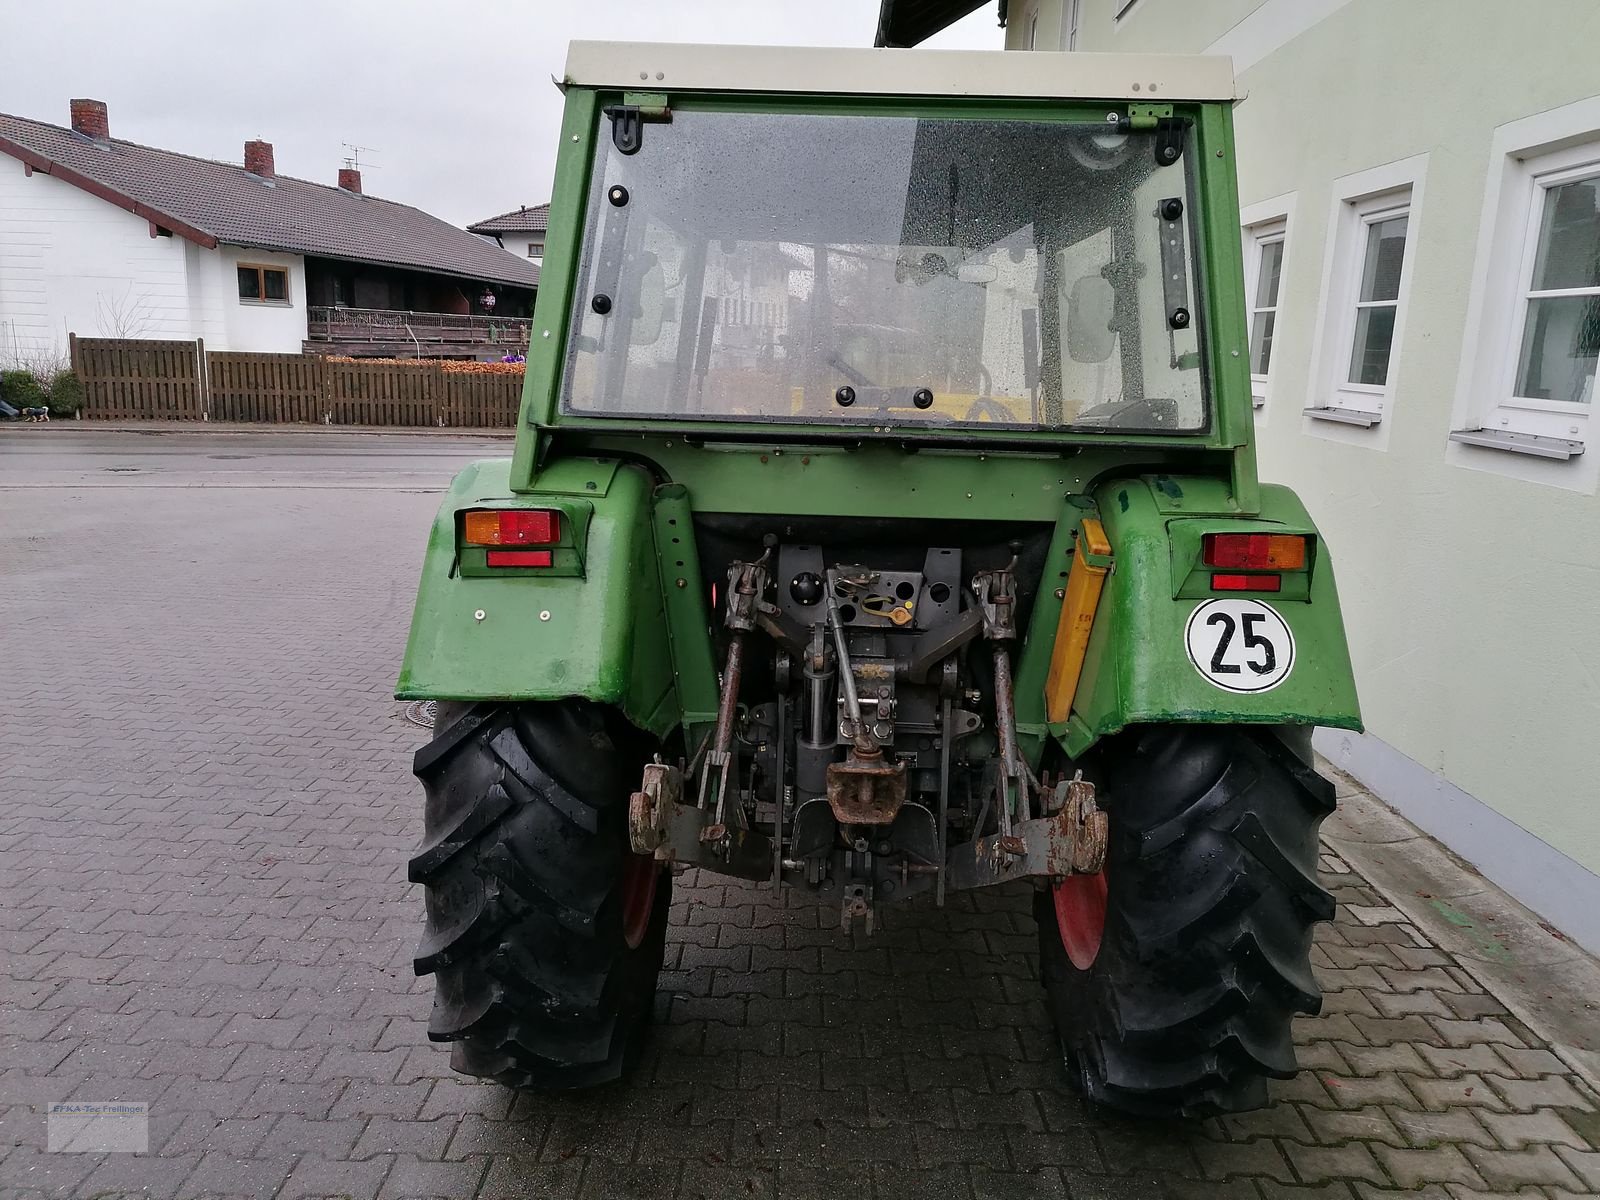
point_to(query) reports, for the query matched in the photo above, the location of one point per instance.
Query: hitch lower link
(1070, 840)
(714, 832)
(661, 825)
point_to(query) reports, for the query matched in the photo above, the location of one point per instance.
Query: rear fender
(1138, 667)
(591, 625)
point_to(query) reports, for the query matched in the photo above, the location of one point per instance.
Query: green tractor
(884, 521)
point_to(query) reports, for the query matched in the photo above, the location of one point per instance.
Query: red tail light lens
(1246, 583)
(512, 527)
(519, 558)
(1255, 551)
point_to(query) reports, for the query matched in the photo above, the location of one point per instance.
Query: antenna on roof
(353, 160)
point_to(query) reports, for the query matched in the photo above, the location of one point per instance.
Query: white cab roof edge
(1034, 74)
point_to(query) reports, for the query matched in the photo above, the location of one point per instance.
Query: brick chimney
(258, 159)
(350, 179)
(89, 117)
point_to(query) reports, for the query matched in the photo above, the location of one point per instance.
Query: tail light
(512, 527)
(1245, 583)
(518, 558)
(1255, 552)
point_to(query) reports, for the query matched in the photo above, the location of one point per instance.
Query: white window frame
(1273, 231)
(1527, 158)
(1069, 35)
(1543, 418)
(1357, 218)
(1122, 9)
(1359, 201)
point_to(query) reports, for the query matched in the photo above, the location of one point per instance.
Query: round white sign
(1239, 645)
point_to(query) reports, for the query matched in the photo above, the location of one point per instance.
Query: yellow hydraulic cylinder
(1090, 564)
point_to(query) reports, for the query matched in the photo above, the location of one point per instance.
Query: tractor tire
(1173, 977)
(544, 933)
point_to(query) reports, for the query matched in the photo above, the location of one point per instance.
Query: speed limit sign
(1239, 645)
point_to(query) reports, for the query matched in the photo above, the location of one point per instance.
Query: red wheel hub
(639, 875)
(1081, 916)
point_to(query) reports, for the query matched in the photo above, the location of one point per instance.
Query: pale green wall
(1156, 26)
(1472, 598)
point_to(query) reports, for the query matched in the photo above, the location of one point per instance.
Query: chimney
(350, 179)
(258, 159)
(89, 117)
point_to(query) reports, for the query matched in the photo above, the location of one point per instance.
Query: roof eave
(472, 276)
(104, 191)
(905, 25)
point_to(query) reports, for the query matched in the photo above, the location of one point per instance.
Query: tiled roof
(518, 220)
(225, 203)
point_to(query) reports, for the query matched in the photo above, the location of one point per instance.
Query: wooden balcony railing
(330, 324)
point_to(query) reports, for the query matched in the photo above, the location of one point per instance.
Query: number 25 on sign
(1239, 645)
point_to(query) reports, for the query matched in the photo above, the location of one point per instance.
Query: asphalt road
(63, 456)
(205, 814)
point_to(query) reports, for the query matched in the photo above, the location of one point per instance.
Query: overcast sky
(455, 99)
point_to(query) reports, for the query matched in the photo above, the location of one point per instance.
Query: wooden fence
(126, 379)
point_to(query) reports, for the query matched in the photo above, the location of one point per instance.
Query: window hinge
(1169, 130)
(1145, 116)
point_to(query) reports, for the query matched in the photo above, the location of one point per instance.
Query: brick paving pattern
(205, 814)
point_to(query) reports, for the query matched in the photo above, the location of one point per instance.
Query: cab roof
(1034, 74)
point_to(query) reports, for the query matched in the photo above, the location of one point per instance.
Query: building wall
(520, 243)
(263, 328)
(1160, 26)
(73, 263)
(1468, 575)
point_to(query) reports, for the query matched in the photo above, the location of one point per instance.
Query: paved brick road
(204, 819)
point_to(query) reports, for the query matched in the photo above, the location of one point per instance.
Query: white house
(520, 231)
(106, 238)
(1421, 193)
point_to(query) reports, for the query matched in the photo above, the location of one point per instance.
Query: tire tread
(534, 982)
(1189, 1008)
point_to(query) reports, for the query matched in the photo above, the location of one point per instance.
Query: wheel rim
(1081, 916)
(639, 875)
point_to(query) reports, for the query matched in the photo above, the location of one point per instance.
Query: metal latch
(628, 118)
(627, 127)
(1169, 140)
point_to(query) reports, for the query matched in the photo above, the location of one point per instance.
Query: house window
(1378, 298)
(1033, 31)
(1263, 278)
(1560, 298)
(263, 285)
(1123, 6)
(1071, 40)
(1545, 381)
(1364, 296)
(1532, 329)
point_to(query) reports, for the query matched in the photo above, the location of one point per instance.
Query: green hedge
(61, 393)
(66, 393)
(21, 389)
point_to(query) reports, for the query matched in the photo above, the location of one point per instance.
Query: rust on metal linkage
(866, 790)
(1071, 841)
